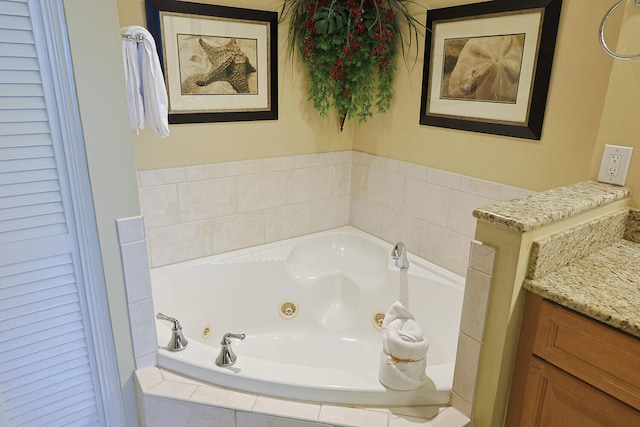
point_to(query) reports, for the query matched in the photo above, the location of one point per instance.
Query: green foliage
(348, 47)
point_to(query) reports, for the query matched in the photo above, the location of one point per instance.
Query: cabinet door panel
(554, 398)
(598, 354)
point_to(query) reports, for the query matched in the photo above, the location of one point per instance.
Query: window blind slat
(29, 199)
(19, 77)
(48, 344)
(33, 233)
(40, 221)
(29, 176)
(18, 90)
(15, 364)
(25, 164)
(41, 209)
(21, 153)
(14, 8)
(21, 102)
(19, 64)
(37, 279)
(34, 188)
(22, 129)
(16, 36)
(23, 115)
(26, 140)
(17, 50)
(40, 316)
(53, 414)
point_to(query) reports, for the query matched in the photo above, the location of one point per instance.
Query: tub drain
(288, 310)
(377, 320)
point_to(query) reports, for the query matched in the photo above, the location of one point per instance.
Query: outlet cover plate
(618, 174)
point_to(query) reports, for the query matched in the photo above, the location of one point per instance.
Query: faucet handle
(226, 341)
(178, 340)
(176, 324)
(227, 357)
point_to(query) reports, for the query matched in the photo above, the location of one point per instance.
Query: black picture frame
(460, 37)
(220, 63)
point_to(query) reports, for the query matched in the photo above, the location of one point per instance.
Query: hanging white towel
(146, 91)
(404, 350)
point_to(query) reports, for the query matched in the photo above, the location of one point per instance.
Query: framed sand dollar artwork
(488, 65)
(220, 63)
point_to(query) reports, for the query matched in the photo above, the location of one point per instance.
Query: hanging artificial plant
(348, 47)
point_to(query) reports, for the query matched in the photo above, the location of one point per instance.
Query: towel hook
(137, 37)
(603, 43)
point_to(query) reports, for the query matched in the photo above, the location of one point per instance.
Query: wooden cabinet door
(598, 354)
(554, 398)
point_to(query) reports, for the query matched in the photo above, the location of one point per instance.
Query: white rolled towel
(403, 360)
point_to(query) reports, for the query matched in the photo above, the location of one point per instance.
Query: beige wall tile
(466, 370)
(159, 205)
(238, 231)
(286, 222)
(262, 191)
(207, 199)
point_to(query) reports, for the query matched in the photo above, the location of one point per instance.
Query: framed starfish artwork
(488, 65)
(220, 63)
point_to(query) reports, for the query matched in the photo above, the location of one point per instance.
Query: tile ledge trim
(448, 417)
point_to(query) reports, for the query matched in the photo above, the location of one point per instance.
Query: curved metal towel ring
(604, 43)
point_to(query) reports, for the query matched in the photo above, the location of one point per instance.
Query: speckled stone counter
(538, 210)
(604, 285)
(592, 268)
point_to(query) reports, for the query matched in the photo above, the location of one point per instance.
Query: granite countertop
(591, 268)
(537, 210)
(604, 285)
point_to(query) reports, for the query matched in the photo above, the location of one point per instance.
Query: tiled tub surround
(168, 398)
(133, 250)
(259, 201)
(472, 323)
(199, 211)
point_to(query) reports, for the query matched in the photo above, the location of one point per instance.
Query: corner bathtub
(338, 283)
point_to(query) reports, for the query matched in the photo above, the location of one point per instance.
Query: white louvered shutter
(47, 375)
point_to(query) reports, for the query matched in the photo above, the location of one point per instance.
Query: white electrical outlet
(613, 169)
(615, 164)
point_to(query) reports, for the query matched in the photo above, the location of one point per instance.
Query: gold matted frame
(488, 65)
(220, 63)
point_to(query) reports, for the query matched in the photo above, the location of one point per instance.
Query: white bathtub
(329, 352)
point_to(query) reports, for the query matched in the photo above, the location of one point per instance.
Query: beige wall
(569, 151)
(109, 158)
(298, 130)
(576, 95)
(620, 123)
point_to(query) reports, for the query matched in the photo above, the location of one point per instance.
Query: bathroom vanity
(572, 370)
(578, 248)
(578, 359)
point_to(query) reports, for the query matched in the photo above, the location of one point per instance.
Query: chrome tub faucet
(399, 254)
(227, 357)
(178, 341)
